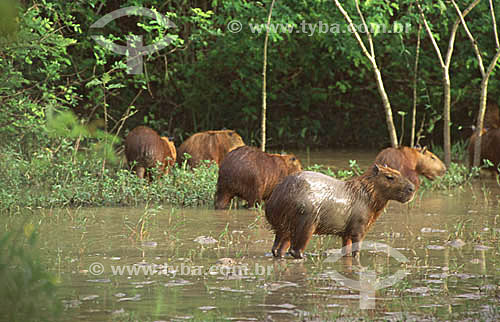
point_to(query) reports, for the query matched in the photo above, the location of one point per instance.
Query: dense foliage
(321, 90)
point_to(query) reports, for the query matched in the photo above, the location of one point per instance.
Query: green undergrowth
(47, 181)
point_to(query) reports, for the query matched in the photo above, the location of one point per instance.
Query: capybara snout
(429, 164)
(412, 162)
(393, 185)
(145, 148)
(251, 174)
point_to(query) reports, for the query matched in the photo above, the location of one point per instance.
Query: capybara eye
(389, 177)
(293, 159)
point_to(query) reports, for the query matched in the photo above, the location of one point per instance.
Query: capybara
(146, 148)
(412, 162)
(308, 203)
(251, 174)
(209, 145)
(492, 116)
(490, 147)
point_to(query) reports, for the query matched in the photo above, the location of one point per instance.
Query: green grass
(47, 182)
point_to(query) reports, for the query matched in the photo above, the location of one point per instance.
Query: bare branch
(473, 41)
(264, 93)
(431, 36)
(495, 32)
(355, 32)
(415, 74)
(368, 34)
(455, 28)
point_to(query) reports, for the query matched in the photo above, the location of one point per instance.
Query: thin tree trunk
(485, 76)
(264, 92)
(415, 97)
(378, 76)
(445, 66)
(446, 117)
(482, 109)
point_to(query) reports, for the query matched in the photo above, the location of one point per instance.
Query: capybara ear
(171, 138)
(424, 149)
(375, 169)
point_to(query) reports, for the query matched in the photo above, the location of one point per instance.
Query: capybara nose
(410, 188)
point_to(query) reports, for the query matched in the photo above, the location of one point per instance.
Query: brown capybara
(308, 203)
(412, 162)
(251, 174)
(146, 148)
(492, 116)
(209, 145)
(490, 147)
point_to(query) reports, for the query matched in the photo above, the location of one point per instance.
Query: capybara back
(308, 203)
(251, 174)
(145, 148)
(209, 145)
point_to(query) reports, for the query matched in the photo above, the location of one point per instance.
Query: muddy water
(336, 159)
(216, 264)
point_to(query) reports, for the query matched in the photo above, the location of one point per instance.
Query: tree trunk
(480, 122)
(482, 109)
(264, 92)
(387, 107)
(415, 97)
(378, 76)
(446, 117)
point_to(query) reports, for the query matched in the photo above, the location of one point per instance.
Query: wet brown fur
(251, 174)
(146, 148)
(412, 162)
(209, 145)
(308, 203)
(490, 147)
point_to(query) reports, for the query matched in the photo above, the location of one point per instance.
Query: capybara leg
(301, 239)
(356, 241)
(222, 200)
(141, 171)
(346, 245)
(285, 244)
(277, 242)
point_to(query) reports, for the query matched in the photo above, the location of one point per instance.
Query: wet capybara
(490, 147)
(308, 203)
(209, 145)
(412, 162)
(251, 174)
(146, 148)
